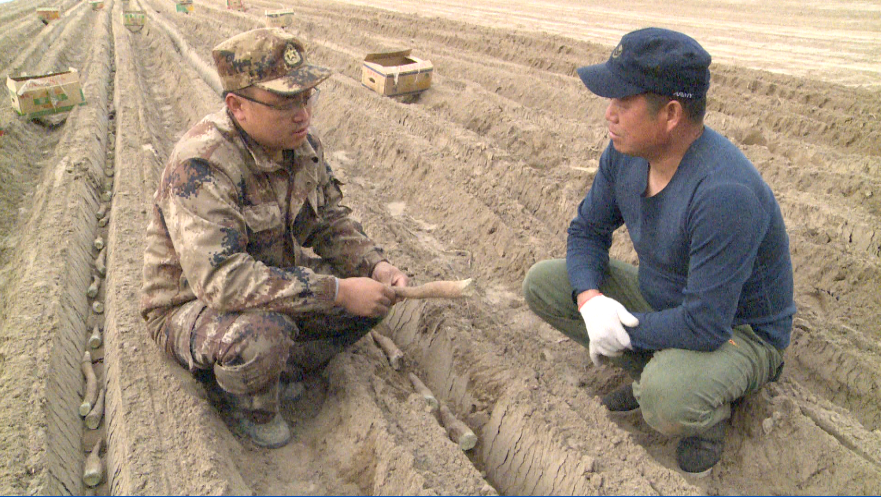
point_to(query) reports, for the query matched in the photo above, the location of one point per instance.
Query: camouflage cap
(268, 58)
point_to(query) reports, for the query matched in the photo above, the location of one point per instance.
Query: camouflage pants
(248, 352)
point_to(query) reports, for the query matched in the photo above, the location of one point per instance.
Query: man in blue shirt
(707, 314)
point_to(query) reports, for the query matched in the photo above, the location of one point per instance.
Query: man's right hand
(364, 297)
(605, 319)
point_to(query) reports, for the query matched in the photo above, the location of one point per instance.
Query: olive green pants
(681, 392)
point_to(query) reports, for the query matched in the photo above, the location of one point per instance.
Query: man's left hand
(605, 319)
(384, 272)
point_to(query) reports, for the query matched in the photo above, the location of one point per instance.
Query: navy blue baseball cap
(652, 60)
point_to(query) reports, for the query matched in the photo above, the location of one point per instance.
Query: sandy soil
(476, 178)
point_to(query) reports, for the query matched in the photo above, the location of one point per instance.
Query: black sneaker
(698, 454)
(621, 400)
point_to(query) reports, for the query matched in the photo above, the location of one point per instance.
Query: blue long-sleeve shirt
(712, 246)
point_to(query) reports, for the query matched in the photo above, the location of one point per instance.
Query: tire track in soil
(450, 183)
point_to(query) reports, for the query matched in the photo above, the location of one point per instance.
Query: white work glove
(604, 318)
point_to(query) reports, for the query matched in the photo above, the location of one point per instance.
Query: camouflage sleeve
(206, 226)
(334, 235)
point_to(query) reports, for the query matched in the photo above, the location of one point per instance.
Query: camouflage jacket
(229, 225)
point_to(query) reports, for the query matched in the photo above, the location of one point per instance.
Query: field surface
(478, 177)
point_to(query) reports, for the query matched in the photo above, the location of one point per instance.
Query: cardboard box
(134, 20)
(235, 5)
(185, 6)
(396, 73)
(97, 5)
(48, 14)
(35, 96)
(279, 18)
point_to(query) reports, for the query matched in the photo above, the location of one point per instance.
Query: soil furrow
(45, 333)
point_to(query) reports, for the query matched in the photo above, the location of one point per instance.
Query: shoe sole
(240, 429)
(622, 413)
(703, 474)
(276, 445)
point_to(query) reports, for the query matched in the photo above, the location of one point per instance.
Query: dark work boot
(621, 400)
(698, 454)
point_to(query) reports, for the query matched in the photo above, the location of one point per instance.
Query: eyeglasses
(294, 103)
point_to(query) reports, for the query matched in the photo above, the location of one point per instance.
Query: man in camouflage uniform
(228, 285)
